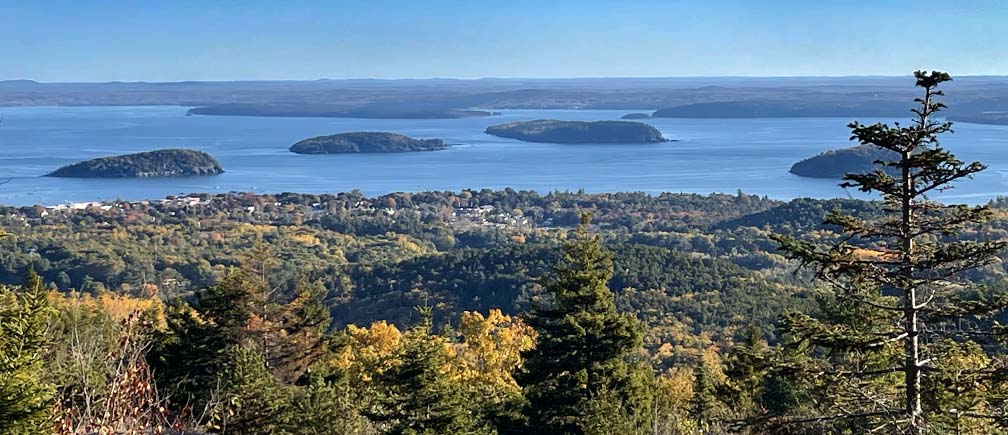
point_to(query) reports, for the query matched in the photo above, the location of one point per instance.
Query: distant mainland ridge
(157, 163)
(336, 111)
(365, 142)
(682, 97)
(784, 109)
(578, 132)
(995, 118)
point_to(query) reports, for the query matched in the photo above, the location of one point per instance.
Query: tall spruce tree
(257, 403)
(193, 354)
(703, 401)
(207, 330)
(745, 369)
(896, 310)
(25, 400)
(582, 358)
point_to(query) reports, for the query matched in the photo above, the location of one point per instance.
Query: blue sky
(57, 40)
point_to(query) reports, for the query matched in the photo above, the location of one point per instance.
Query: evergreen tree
(897, 307)
(194, 352)
(583, 350)
(216, 330)
(703, 401)
(257, 403)
(25, 400)
(327, 406)
(745, 369)
(418, 397)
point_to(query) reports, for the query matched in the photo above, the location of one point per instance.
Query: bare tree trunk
(912, 369)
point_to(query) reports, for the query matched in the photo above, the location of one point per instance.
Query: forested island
(636, 115)
(158, 163)
(390, 111)
(837, 163)
(578, 132)
(365, 142)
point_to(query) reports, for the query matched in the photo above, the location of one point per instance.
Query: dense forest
(515, 312)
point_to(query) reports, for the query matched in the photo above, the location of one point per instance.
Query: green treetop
(582, 356)
(25, 400)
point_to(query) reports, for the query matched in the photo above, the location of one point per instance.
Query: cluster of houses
(486, 216)
(257, 207)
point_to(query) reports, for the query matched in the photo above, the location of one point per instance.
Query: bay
(709, 155)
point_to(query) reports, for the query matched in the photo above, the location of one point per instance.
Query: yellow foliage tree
(118, 307)
(369, 350)
(491, 349)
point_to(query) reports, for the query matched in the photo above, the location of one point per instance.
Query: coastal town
(462, 212)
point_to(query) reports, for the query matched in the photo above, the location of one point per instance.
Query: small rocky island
(578, 132)
(636, 115)
(365, 142)
(158, 163)
(837, 163)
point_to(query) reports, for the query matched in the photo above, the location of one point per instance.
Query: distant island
(572, 132)
(636, 115)
(837, 163)
(158, 163)
(365, 142)
(995, 118)
(782, 109)
(391, 111)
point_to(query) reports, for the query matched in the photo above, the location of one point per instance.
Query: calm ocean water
(711, 155)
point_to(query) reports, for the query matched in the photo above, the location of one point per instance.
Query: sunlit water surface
(709, 155)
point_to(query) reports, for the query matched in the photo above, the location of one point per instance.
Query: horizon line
(473, 79)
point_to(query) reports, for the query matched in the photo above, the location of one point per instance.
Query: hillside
(158, 163)
(686, 264)
(572, 132)
(381, 256)
(365, 142)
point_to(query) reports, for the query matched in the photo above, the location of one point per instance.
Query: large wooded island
(365, 142)
(837, 163)
(574, 132)
(158, 163)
